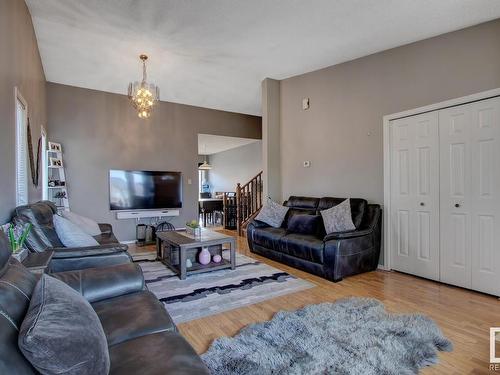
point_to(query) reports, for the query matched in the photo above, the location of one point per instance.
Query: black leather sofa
(332, 256)
(43, 237)
(142, 339)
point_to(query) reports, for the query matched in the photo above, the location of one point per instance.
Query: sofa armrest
(96, 284)
(79, 252)
(258, 224)
(347, 235)
(105, 228)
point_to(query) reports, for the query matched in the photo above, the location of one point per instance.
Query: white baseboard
(382, 267)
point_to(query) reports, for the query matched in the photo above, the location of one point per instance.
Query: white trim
(382, 267)
(44, 166)
(387, 156)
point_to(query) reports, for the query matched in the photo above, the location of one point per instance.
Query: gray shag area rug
(350, 336)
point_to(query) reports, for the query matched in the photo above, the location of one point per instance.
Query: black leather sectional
(43, 237)
(141, 336)
(332, 256)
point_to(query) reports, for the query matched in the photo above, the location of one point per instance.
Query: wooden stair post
(248, 201)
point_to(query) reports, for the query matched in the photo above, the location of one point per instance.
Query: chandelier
(142, 94)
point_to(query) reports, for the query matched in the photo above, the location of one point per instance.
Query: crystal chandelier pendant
(142, 94)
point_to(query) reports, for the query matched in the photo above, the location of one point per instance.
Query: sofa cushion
(157, 354)
(358, 207)
(132, 315)
(296, 211)
(338, 218)
(61, 333)
(304, 246)
(304, 224)
(272, 214)
(306, 203)
(268, 237)
(71, 235)
(84, 223)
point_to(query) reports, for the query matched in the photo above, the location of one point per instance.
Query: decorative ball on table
(216, 258)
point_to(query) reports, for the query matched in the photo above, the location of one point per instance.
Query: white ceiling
(212, 144)
(215, 53)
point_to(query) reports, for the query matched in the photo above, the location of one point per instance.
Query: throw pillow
(338, 218)
(303, 224)
(272, 214)
(61, 333)
(86, 224)
(71, 235)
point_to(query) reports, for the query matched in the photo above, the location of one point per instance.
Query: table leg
(233, 253)
(182, 256)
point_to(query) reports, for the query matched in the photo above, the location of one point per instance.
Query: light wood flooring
(464, 316)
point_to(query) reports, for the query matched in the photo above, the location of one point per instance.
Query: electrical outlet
(189, 181)
(307, 164)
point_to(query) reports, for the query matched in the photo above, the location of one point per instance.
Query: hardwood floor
(464, 316)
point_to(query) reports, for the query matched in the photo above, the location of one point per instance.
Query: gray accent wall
(20, 65)
(239, 164)
(341, 132)
(101, 131)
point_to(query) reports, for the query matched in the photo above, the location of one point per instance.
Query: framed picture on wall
(55, 162)
(55, 147)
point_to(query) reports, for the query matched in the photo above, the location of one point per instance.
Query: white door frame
(45, 171)
(387, 225)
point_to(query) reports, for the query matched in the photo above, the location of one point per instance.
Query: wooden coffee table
(174, 248)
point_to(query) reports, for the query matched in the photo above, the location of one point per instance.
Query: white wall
(237, 165)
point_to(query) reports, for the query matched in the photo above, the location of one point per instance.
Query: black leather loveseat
(332, 256)
(141, 337)
(43, 237)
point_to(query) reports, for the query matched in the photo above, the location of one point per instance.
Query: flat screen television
(144, 190)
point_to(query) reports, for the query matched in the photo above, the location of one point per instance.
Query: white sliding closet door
(415, 195)
(470, 195)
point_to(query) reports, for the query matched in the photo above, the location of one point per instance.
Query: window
(21, 150)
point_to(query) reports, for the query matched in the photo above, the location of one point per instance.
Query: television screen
(144, 190)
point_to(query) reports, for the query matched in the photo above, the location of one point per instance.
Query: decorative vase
(189, 264)
(217, 258)
(204, 257)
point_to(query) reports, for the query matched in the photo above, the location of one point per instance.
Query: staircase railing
(248, 201)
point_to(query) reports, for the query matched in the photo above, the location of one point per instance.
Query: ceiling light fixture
(205, 166)
(142, 94)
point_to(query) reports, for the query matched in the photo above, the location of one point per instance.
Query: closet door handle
(422, 204)
(457, 205)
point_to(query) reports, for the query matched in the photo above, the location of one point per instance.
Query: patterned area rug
(211, 293)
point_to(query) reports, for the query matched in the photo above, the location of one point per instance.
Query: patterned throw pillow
(272, 214)
(338, 218)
